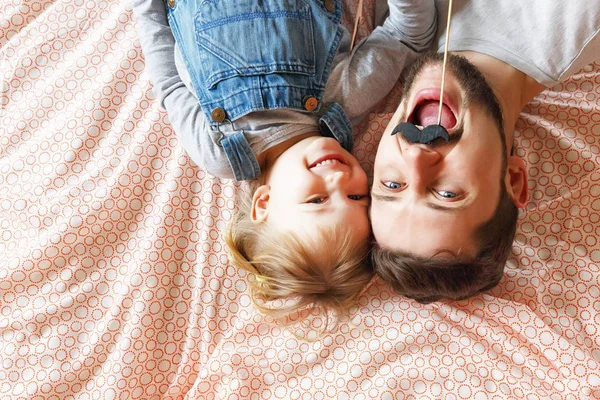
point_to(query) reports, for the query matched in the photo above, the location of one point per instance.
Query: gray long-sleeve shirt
(359, 80)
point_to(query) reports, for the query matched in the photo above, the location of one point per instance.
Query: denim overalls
(250, 55)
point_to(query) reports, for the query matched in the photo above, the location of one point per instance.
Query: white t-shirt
(548, 40)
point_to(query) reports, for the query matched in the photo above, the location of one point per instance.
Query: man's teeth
(327, 162)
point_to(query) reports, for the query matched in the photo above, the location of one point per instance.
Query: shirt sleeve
(183, 108)
(361, 78)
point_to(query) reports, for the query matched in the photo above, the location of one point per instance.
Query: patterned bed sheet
(115, 284)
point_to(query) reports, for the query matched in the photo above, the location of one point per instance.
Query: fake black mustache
(430, 133)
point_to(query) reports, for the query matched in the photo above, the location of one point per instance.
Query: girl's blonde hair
(326, 272)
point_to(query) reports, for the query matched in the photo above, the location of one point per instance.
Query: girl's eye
(317, 200)
(393, 185)
(356, 197)
(446, 194)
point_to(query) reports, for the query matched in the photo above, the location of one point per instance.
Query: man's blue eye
(445, 194)
(318, 200)
(393, 185)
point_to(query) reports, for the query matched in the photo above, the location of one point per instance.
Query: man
(444, 213)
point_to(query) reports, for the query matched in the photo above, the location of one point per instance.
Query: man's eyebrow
(447, 209)
(433, 206)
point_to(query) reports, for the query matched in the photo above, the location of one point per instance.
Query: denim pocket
(239, 38)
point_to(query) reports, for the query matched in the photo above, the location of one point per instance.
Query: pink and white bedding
(115, 284)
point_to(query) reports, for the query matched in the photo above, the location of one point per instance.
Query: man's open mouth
(426, 110)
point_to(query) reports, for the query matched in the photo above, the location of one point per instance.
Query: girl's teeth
(327, 162)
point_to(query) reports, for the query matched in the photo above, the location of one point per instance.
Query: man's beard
(476, 89)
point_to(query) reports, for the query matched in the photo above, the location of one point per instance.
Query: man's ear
(260, 204)
(516, 181)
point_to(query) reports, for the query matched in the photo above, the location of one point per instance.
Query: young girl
(266, 91)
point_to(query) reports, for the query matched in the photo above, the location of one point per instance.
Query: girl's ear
(516, 181)
(260, 204)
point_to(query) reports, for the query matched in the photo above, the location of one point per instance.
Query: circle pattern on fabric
(115, 282)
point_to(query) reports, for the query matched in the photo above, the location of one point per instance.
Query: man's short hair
(427, 279)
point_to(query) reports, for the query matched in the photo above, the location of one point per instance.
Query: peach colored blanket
(115, 284)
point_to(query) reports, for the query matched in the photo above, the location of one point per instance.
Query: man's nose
(421, 162)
